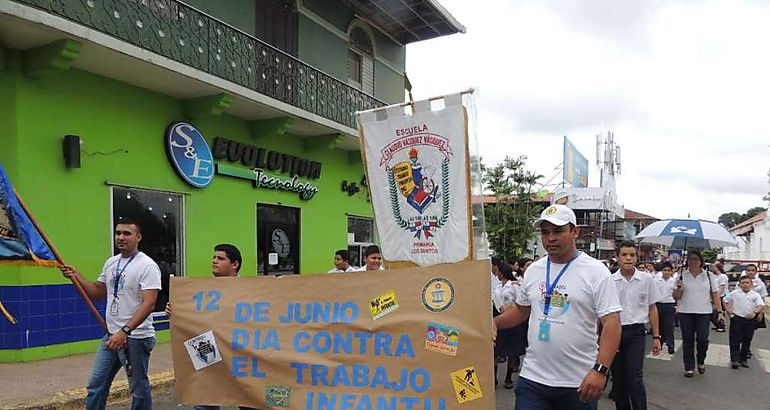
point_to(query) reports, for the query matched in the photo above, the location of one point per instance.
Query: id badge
(114, 307)
(544, 334)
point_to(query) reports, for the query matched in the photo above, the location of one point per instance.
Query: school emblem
(417, 169)
(438, 295)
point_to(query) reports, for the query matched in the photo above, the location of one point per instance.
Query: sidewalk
(60, 383)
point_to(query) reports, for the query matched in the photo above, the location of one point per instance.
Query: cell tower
(607, 159)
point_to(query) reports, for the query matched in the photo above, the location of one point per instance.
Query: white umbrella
(687, 233)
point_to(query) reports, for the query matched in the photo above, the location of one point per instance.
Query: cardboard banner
(418, 171)
(416, 338)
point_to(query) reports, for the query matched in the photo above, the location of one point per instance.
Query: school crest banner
(417, 167)
(414, 338)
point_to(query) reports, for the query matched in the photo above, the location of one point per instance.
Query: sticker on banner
(278, 396)
(438, 295)
(466, 384)
(203, 350)
(442, 339)
(383, 304)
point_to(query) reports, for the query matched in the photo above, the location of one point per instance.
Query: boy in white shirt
(744, 306)
(666, 305)
(638, 295)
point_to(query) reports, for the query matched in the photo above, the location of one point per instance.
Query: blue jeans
(107, 364)
(535, 396)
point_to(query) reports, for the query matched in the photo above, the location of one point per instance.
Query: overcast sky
(684, 85)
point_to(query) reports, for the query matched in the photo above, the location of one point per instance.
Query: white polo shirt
(722, 281)
(584, 294)
(696, 292)
(636, 296)
(744, 303)
(666, 289)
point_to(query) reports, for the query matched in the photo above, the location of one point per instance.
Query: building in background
(753, 237)
(209, 121)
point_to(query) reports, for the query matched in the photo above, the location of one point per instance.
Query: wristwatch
(656, 337)
(127, 330)
(601, 368)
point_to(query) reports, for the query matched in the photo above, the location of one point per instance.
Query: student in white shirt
(508, 344)
(744, 306)
(757, 285)
(567, 294)
(342, 262)
(666, 305)
(722, 281)
(696, 291)
(496, 262)
(372, 259)
(638, 294)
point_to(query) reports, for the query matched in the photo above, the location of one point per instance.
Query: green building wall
(74, 205)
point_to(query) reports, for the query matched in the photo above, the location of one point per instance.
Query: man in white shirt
(666, 305)
(130, 280)
(638, 295)
(342, 262)
(564, 295)
(744, 306)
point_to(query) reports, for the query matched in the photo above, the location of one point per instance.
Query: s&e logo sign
(190, 154)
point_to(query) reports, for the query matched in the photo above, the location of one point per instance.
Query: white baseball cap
(558, 215)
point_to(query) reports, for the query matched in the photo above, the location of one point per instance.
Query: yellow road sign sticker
(383, 304)
(466, 384)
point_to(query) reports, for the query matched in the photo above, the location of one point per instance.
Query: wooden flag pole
(59, 259)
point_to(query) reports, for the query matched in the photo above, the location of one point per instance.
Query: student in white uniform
(507, 343)
(756, 282)
(744, 306)
(372, 259)
(496, 262)
(638, 294)
(722, 282)
(696, 291)
(666, 305)
(342, 262)
(567, 294)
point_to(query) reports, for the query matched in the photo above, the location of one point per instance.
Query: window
(361, 61)
(160, 215)
(360, 235)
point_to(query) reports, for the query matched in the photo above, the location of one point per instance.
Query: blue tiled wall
(47, 315)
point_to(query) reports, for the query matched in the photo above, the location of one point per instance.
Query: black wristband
(600, 368)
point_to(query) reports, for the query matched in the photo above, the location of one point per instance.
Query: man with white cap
(564, 295)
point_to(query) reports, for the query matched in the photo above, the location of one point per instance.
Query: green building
(227, 121)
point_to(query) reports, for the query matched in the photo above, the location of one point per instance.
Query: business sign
(418, 172)
(189, 154)
(364, 342)
(193, 160)
(575, 168)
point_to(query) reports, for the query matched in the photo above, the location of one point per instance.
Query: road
(721, 388)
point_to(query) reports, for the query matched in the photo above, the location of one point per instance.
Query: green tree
(509, 219)
(729, 219)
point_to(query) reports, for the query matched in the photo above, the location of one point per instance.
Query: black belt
(633, 326)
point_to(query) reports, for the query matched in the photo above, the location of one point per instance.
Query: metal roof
(408, 21)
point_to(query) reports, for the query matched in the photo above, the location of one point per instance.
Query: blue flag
(21, 243)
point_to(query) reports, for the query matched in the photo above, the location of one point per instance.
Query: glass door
(277, 240)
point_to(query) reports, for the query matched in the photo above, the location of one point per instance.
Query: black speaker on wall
(71, 149)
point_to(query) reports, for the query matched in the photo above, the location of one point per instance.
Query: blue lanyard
(119, 273)
(549, 287)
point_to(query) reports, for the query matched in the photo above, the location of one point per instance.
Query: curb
(76, 399)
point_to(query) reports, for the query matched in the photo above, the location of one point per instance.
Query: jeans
(667, 315)
(741, 333)
(535, 396)
(627, 369)
(107, 363)
(694, 325)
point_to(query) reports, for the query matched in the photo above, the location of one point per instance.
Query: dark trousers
(535, 396)
(695, 327)
(627, 369)
(667, 315)
(741, 333)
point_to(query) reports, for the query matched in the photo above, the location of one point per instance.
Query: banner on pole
(575, 168)
(418, 170)
(415, 338)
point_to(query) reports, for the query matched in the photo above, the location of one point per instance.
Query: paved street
(721, 388)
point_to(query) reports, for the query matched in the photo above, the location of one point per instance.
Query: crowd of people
(613, 307)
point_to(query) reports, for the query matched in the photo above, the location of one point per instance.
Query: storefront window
(160, 215)
(360, 235)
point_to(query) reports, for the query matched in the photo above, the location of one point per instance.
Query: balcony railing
(182, 33)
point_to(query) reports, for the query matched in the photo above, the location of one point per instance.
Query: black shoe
(689, 373)
(509, 384)
(720, 330)
(744, 364)
(734, 365)
(671, 350)
(701, 368)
